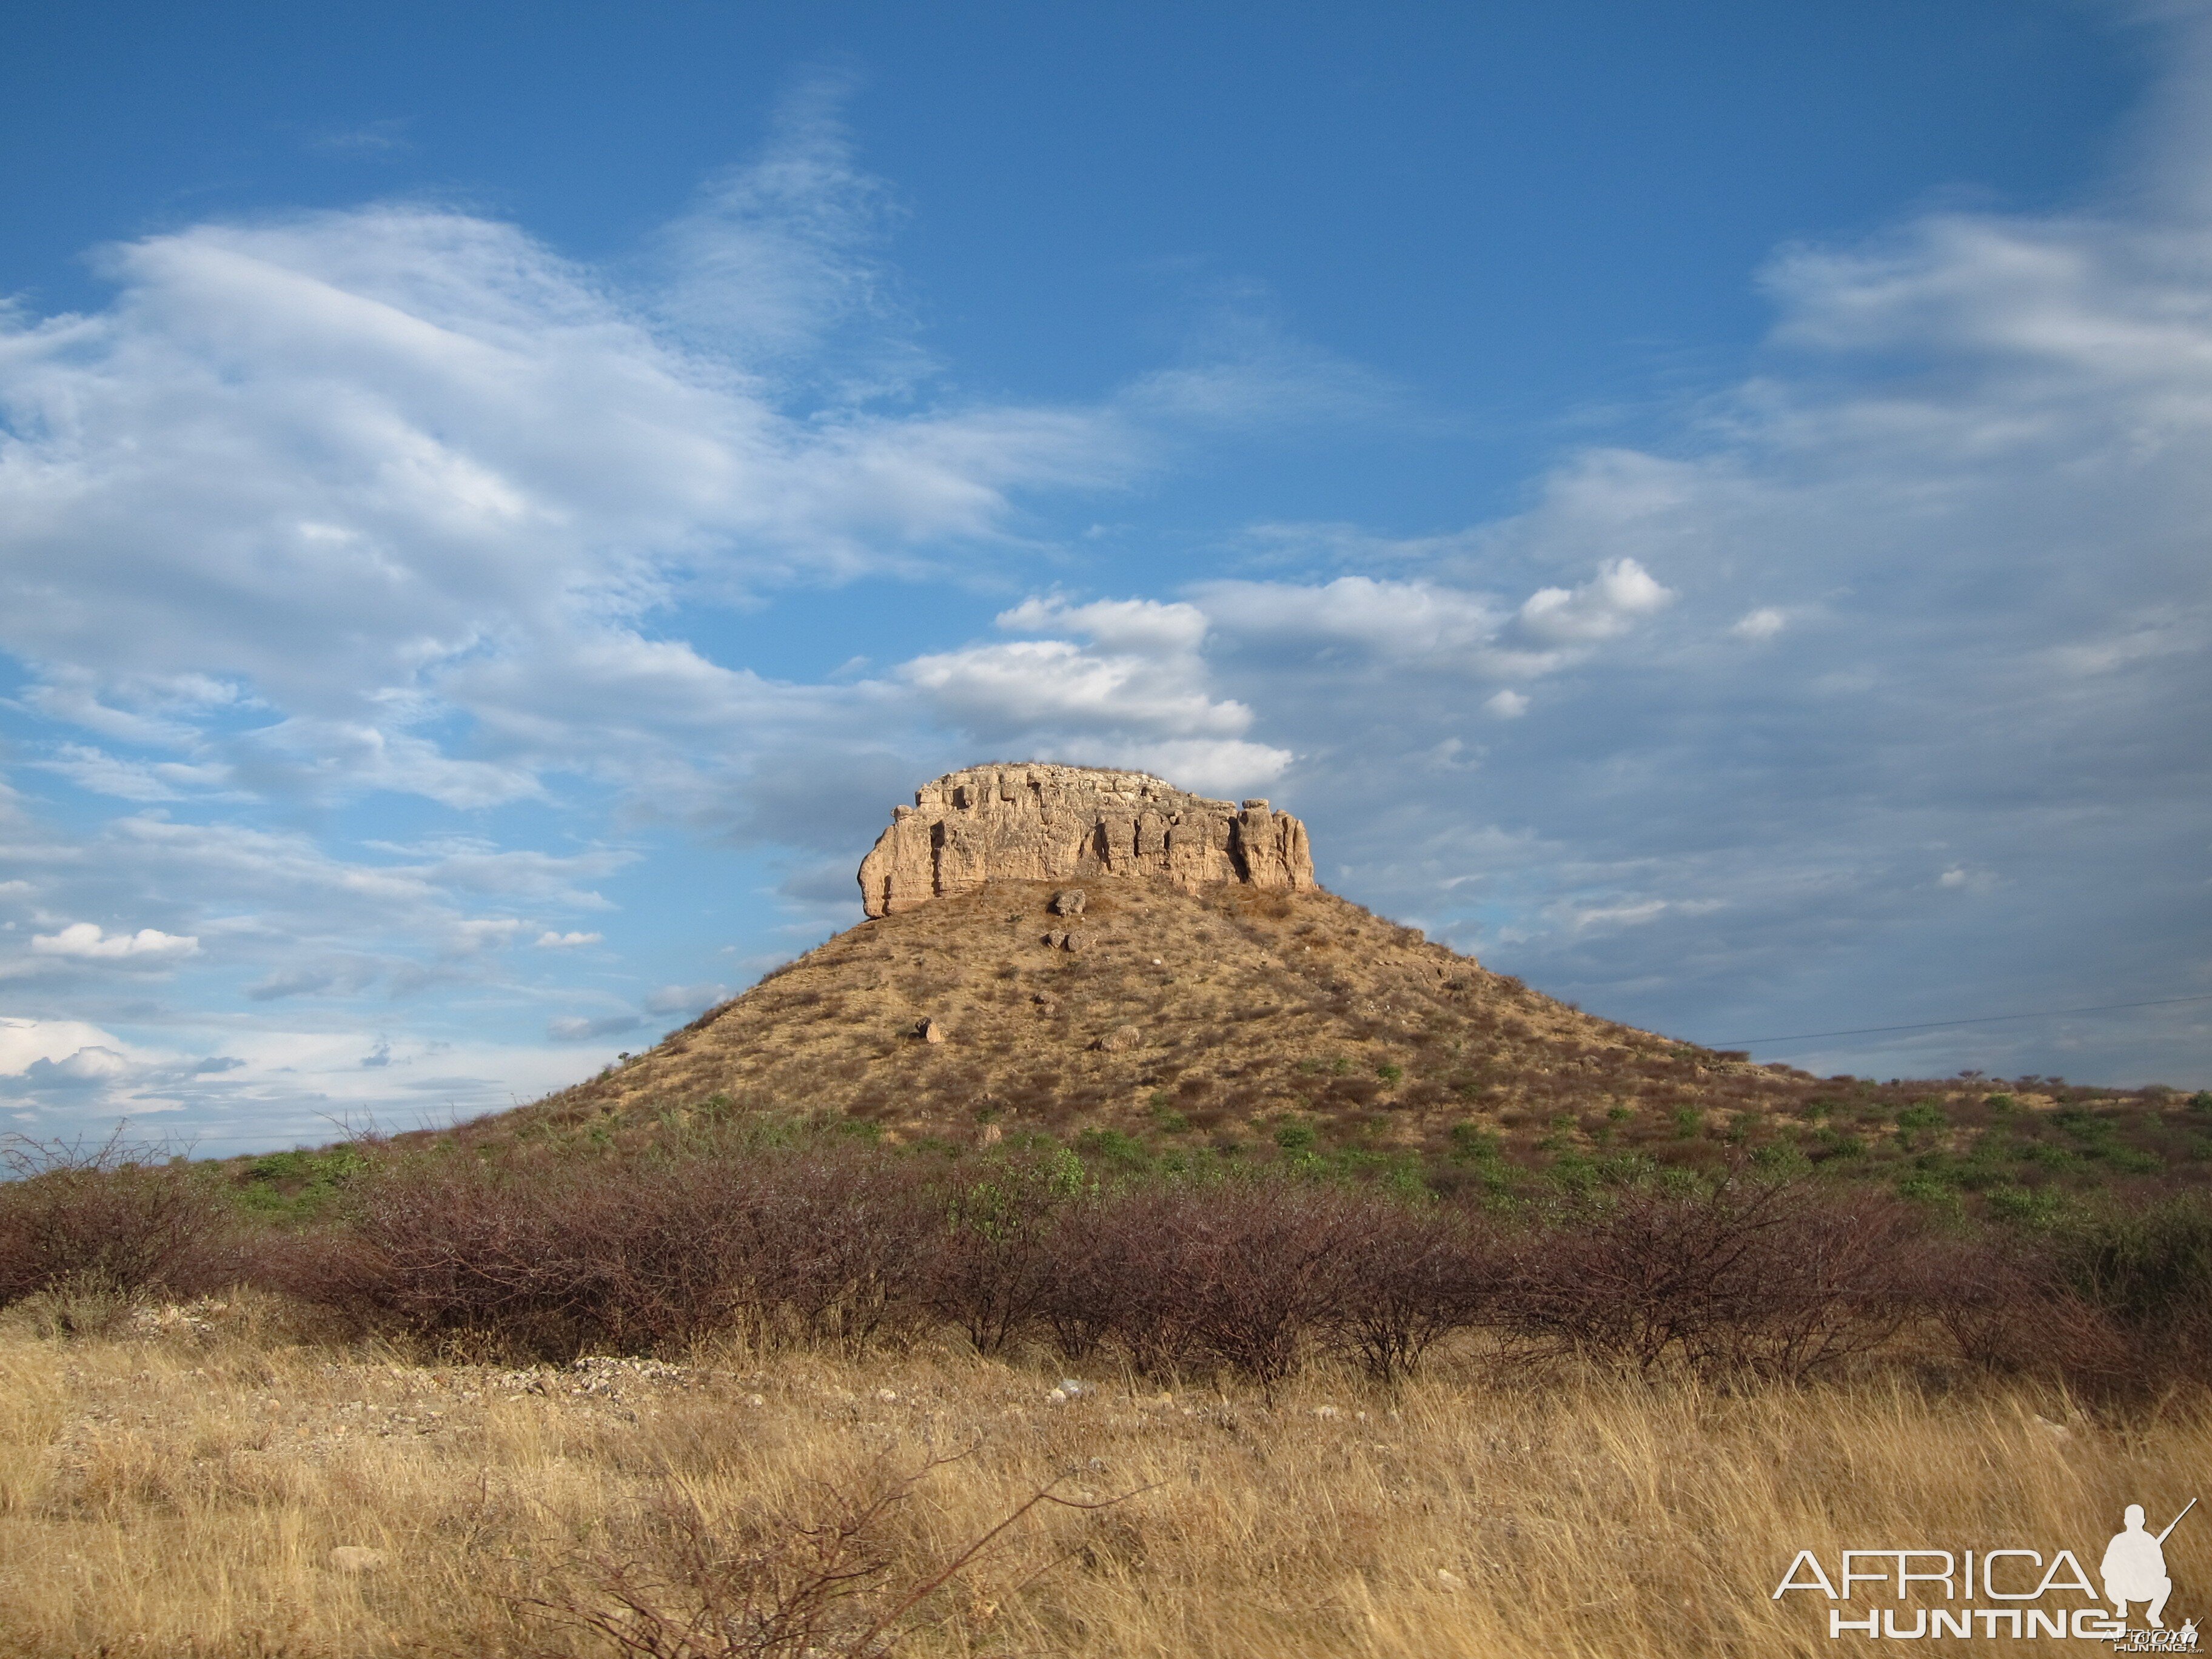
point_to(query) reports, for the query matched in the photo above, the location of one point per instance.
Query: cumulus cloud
(1602, 608)
(549, 940)
(86, 941)
(1146, 626)
(1133, 690)
(25, 1041)
(996, 690)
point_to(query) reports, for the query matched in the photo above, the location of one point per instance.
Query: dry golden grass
(178, 1486)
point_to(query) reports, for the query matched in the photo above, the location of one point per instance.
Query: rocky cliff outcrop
(1048, 823)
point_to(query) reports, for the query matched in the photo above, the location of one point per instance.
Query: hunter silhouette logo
(2134, 1570)
(2025, 1595)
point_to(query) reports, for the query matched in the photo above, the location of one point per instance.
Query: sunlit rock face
(1048, 823)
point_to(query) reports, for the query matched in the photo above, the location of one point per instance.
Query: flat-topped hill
(1102, 957)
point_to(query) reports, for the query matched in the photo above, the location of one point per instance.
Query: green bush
(1113, 1149)
(2149, 1270)
(1472, 1143)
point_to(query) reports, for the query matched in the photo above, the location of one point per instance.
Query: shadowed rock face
(1047, 822)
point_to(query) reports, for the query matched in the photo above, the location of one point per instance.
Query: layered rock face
(1048, 823)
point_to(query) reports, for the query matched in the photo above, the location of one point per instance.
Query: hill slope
(1220, 1016)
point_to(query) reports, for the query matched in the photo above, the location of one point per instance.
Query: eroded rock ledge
(1049, 823)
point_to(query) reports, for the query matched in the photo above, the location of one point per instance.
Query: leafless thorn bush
(823, 1586)
(110, 1217)
(1744, 1277)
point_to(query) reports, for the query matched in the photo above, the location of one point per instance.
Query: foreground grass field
(203, 1480)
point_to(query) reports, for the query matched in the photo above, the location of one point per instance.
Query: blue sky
(1702, 506)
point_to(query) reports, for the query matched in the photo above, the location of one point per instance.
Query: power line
(1939, 1024)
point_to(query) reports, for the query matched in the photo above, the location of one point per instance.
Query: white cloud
(685, 999)
(1146, 626)
(777, 263)
(1603, 608)
(1410, 619)
(1395, 624)
(478, 933)
(1507, 705)
(90, 1067)
(353, 469)
(1617, 915)
(85, 941)
(104, 774)
(23, 1041)
(1135, 692)
(1059, 685)
(1763, 623)
(580, 1028)
(549, 940)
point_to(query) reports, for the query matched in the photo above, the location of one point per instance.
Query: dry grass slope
(1245, 1006)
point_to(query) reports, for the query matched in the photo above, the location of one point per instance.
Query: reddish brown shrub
(1244, 1275)
(2004, 1302)
(1407, 1278)
(1742, 1277)
(551, 1260)
(98, 1217)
